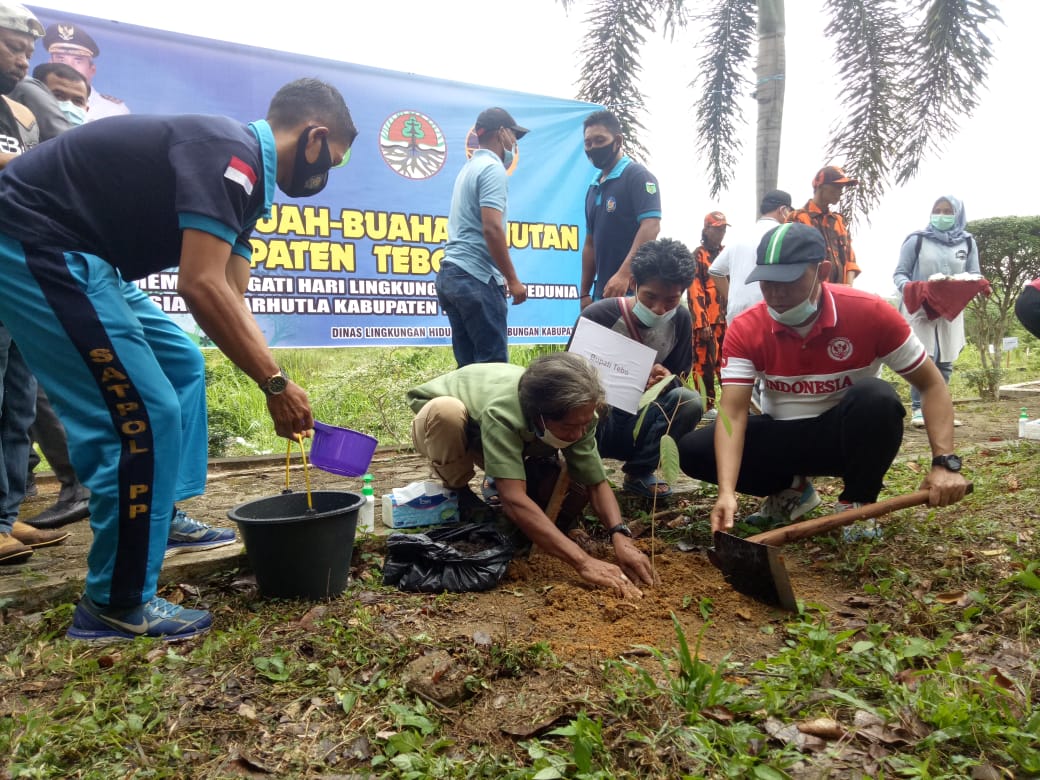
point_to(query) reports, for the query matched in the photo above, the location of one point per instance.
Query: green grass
(362, 389)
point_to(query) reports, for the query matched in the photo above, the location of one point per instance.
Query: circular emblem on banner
(473, 143)
(412, 145)
(839, 348)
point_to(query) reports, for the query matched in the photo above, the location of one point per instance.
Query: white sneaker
(917, 419)
(786, 506)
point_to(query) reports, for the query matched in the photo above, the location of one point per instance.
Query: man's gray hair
(555, 384)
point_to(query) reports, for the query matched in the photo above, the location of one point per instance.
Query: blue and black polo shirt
(124, 188)
(613, 210)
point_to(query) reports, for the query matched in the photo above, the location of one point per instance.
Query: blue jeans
(477, 313)
(17, 412)
(642, 453)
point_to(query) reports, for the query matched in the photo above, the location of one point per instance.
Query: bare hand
(657, 373)
(723, 513)
(291, 411)
(607, 575)
(633, 562)
(944, 487)
(517, 291)
(618, 285)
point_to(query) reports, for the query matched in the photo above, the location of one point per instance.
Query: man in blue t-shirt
(477, 274)
(622, 211)
(86, 214)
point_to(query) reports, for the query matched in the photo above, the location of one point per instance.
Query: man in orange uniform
(828, 185)
(706, 310)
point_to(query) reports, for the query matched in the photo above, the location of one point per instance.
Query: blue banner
(355, 265)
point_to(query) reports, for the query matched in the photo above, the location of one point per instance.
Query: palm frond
(870, 39)
(949, 55)
(610, 63)
(729, 32)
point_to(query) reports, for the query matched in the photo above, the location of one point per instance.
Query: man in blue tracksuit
(105, 204)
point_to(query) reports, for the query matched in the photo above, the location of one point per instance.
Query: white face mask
(649, 318)
(800, 313)
(72, 112)
(552, 439)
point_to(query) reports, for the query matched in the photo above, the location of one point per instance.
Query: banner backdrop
(355, 265)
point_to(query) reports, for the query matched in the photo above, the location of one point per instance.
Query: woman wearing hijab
(944, 247)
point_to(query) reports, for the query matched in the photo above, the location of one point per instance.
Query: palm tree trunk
(771, 73)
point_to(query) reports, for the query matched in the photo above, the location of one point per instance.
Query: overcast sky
(533, 46)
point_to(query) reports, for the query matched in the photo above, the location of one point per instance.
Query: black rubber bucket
(296, 552)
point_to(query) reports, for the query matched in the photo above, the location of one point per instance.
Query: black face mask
(601, 156)
(309, 178)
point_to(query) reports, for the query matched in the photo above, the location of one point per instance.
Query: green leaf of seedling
(347, 700)
(648, 398)
(862, 647)
(669, 459)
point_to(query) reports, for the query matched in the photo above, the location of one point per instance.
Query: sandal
(646, 486)
(490, 493)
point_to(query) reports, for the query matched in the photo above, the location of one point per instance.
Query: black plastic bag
(442, 560)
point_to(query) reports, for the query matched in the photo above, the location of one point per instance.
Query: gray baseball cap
(20, 19)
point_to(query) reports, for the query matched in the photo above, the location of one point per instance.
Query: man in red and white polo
(818, 350)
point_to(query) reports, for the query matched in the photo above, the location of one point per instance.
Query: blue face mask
(800, 313)
(73, 113)
(649, 318)
(943, 222)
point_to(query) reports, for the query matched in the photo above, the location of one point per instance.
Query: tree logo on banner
(412, 145)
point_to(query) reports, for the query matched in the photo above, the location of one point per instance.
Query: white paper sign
(623, 364)
(1010, 343)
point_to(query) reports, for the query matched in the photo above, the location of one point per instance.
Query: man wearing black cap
(477, 274)
(828, 185)
(69, 43)
(737, 259)
(818, 349)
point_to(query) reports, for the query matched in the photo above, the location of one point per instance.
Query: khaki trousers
(439, 433)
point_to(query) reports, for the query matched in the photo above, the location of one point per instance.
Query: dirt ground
(543, 600)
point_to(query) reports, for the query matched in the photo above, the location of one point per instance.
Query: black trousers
(856, 440)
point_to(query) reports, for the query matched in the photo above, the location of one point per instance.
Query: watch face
(953, 463)
(276, 384)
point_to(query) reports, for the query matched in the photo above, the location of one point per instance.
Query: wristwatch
(948, 462)
(275, 385)
(620, 528)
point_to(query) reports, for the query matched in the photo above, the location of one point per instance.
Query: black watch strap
(620, 528)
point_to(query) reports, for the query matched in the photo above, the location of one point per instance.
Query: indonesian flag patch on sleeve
(239, 172)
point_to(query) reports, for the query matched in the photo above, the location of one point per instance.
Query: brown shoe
(12, 551)
(37, 537)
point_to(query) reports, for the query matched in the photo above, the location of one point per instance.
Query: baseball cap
(495, 118)
(20, 19)
(832, 174)
(715, 219)
(773, 200)
(69, 35)
(785, 252)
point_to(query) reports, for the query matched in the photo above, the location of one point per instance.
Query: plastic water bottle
(367, 512)
(1023, 418)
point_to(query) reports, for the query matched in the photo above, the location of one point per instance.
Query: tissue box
(420, 504)
(1033, 429)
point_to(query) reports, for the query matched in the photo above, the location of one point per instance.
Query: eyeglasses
(345, 160)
